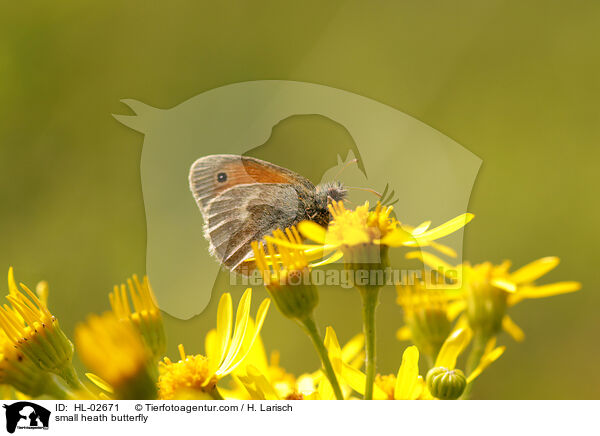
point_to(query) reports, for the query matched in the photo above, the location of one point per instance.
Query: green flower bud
(294, 301)
(446, 384)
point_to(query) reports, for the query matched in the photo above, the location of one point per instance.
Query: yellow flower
(488, 290)
(363, 227)
(197, 376)
(20, 372)
(286, 275)
(285, 272)
(145, 316)
(455, 345)
(34, 332)
(428, 313)
(189, 378)
(407, 384)
(116, 353)
(269, 381)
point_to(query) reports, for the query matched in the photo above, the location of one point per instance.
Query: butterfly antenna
(372, 191)
(353, 161)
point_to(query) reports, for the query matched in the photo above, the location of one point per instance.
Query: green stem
(310, 327)
(369, 299)
(479, 342)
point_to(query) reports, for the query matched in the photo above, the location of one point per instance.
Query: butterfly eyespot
(221, 177)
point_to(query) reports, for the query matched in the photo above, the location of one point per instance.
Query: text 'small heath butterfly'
(243, 199)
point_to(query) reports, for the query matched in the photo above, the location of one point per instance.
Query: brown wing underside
(238, 170)
(247, 213)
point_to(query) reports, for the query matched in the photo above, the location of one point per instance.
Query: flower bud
(286, 275)
(486, 307)
(426, 314)
(446, 384)
(295, 301)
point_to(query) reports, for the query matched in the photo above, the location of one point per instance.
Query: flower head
(408, 384)
(31, 329)
(195, 376)
(189, 378)
(428, 314)
(269, 381)
(20, 372)
(285, 271)
(145, 315)
(116, 353)
(363, 227)
(488, 290)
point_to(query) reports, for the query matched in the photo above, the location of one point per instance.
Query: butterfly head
(330, 191)
(325, 194)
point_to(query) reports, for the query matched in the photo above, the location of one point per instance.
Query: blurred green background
(517, 83)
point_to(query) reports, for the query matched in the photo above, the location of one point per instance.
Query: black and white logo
(26, 415)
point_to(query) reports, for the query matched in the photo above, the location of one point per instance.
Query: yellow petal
(444, 249)
(486, 361)
(333, 349)
(260, 319)
(452, 347)
(313, 231)
(510, 327)
(396, 238)
(241, 323)
(353, 347)
(403, 333)
(455, 308)
(99, 382)
(211, 349)
(447, 228)
(548, 290)
(257, 385)
(357, 380)
(407, 380)
(331, 259)
(431, 260)
(325, 390)
(12, 284)
(353, 378)
(534, 270)
(421, 228)
(505, 285)
(224, 326)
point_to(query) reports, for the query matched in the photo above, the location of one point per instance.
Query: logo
(26, 415)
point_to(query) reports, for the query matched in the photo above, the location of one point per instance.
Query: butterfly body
(243, 199)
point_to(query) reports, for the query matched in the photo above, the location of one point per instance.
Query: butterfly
(242, 199)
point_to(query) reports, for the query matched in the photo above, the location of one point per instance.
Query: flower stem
(310, 327)
(369, 299)
(479, 342)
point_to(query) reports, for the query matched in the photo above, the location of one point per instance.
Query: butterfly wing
(247, 213)
(213, 175)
